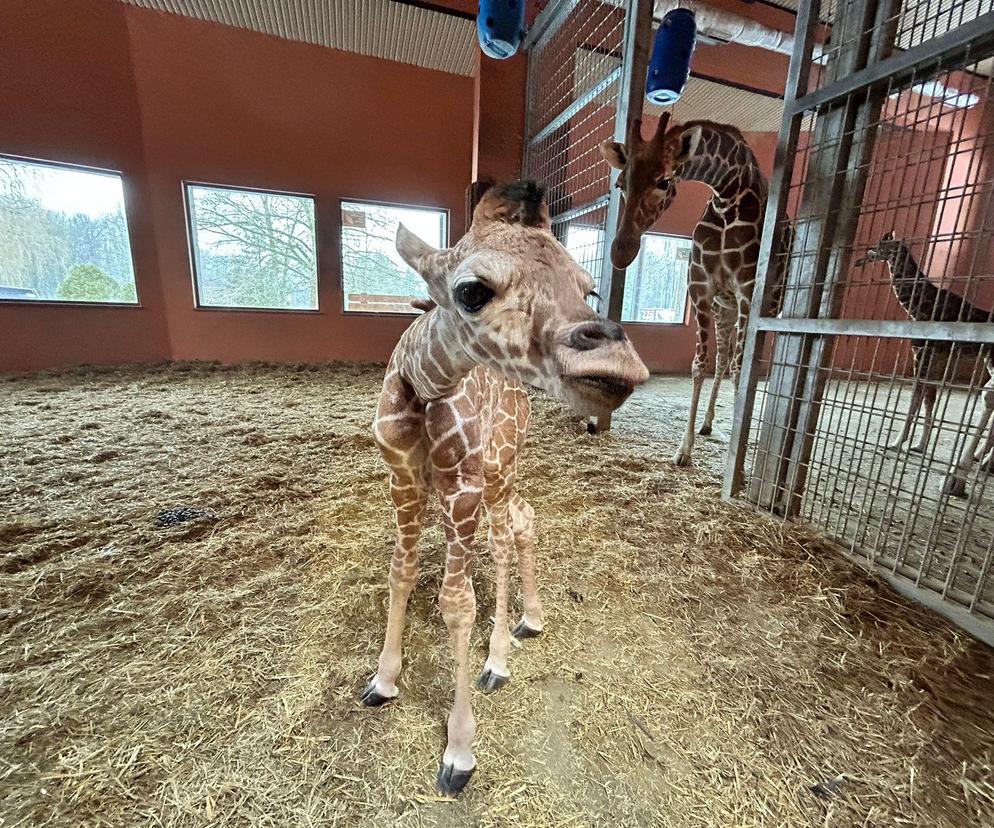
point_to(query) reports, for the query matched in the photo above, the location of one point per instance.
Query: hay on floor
(702, 665)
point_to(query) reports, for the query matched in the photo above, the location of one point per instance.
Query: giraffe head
(648, 179)
(892, 250)
(509, 297)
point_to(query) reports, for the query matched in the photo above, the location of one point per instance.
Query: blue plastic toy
(671, 53)
(500, 25)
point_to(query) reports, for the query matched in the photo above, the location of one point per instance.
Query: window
(655, 283)
(253, 249)
(63, 235)
(374, 277)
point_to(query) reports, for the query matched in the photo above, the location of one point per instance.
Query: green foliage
(40, 246)
(87, 283)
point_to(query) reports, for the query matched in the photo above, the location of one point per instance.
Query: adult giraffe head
(648, 179)
(510, 297)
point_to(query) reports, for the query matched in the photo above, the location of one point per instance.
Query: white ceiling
(707, 100)
(702, 99)
(380, 28)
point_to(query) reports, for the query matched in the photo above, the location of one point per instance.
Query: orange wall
(60, 103)
(173, 99)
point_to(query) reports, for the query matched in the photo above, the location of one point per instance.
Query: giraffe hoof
(682, 458)
(705, 430)
(490, 682)
(917, 449)
(954, 486)
(523, 631)
(371, 697)
(450, 781)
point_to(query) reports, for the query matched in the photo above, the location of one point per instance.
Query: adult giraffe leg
(685, 454)
(523, 527)
(457, 476)
(929, 394)
(955, 483)
(724, 322)
(919, 358)
(741, 323)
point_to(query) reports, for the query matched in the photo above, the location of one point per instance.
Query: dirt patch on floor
(701, 665)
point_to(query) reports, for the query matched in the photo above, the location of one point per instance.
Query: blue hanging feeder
(500, 26)
(671, 53)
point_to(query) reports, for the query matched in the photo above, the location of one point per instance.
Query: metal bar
(977, 37)
(978, 626)
(970, 332)
(798, 75)
(547, 23)
(576, 212)
(631, 100)
(571, 110)
(797, 382)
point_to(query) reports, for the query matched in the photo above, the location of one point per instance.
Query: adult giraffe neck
(723, 161)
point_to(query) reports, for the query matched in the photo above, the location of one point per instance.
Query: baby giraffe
(508, 309)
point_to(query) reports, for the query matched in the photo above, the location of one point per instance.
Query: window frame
(686, 294)
(87, 168)
(341, 264)
(192, 252)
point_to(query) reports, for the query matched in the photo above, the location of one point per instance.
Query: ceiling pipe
(720, 26)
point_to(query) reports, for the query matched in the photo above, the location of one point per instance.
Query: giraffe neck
(723, 161)
(912, 287)
(432, 356)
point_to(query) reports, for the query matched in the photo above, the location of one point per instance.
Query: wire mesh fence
(868, 407)
(574, 84)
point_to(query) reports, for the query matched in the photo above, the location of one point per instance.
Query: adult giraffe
(508, 307)
(725, 249)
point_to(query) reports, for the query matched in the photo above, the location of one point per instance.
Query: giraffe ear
(690, 140)
(427, 262)
(615, 154)
(888, 236)
(414, 251)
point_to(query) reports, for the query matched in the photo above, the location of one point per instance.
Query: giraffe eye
(472, 295)
(663, 182)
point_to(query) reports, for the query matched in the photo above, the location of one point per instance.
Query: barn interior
(199, 291)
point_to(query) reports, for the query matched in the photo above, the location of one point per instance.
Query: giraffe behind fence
(924, 301)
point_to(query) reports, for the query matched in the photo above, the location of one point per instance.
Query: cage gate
(867, 407)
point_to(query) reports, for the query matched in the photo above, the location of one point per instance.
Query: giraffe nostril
(593, 334)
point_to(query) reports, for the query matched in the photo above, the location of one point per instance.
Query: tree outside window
(63, 235)
(253, 249)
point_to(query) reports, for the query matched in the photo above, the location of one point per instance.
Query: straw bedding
(701, 666)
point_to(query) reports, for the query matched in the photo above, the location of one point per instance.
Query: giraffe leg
(457, 602)
(523, 527)
(929, 393)
(457, 476)
(685, 453)
(723, 324)
(410, 496)
(745, 306)
(495, 672)
(955, 483)
(917, 395)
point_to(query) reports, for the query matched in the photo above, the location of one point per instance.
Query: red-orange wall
(164, 99)
(67, 93)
